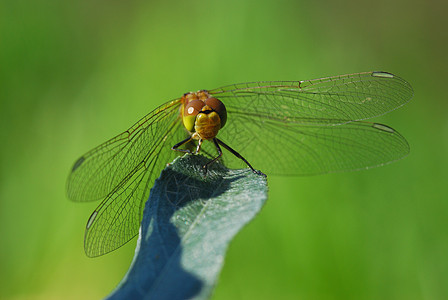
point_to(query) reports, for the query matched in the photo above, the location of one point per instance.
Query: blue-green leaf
(188, 223)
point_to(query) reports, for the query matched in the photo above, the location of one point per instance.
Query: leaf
(188, 223)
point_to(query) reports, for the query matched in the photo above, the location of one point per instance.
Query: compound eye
(193, 107)
(219, 107)
(190, 112)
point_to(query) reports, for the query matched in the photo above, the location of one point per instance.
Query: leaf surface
(188, 223)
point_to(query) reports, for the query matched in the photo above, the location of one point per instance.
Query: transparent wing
(296, 149)
(309, 127)
(340, 99)
(95, 174)
(117, 219)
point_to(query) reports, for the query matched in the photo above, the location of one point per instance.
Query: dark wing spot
(78, 163)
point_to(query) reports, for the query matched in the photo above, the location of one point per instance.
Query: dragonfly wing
(313, 127)
(340, 99)
(117, 219)
(99, 171)
(296, 149)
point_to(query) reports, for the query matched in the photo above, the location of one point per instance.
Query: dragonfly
(279, 127)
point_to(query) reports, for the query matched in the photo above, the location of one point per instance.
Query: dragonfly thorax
(203, 116)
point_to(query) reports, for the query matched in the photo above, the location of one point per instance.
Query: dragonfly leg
(176, 147)
(216, 158)
(198, 148)
(239, 156)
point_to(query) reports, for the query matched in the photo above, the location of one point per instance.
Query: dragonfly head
(203, 115)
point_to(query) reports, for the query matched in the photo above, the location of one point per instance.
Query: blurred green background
(75, 73)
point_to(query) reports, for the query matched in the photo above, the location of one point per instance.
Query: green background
(75, 73)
